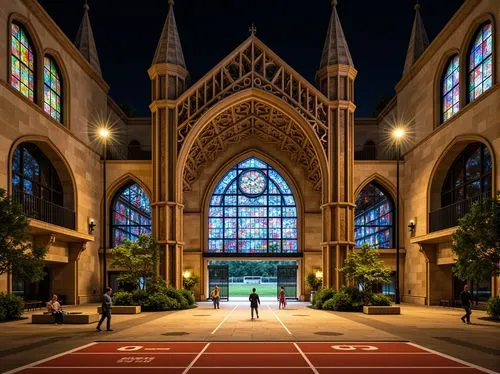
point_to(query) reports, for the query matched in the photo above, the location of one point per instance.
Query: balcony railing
(43, 210)
(448, 216)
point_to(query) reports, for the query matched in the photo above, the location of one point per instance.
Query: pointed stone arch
(379, 179)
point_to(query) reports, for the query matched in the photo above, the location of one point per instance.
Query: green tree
(17, 254)
(138, 259)
(364, 268)
(477, 242)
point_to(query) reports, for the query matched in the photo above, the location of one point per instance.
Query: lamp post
(104, 134)
(398, 134)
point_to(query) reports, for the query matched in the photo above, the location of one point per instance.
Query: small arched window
(480, 62)
(52, 89)
(131, 214)
(22, 61)
(468, 177)
(373, 217)
(450, 89)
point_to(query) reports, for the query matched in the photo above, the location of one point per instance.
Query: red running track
(251, 357)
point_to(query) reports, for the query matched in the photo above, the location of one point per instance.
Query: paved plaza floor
(436, 328)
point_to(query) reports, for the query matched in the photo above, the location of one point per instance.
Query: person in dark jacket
(107, 304)
(254, 302)
(466, 299)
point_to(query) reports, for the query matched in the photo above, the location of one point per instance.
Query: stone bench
(122, 309)
(69, 318)
(371, 309)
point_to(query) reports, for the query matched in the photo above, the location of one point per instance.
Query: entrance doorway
(236, 278)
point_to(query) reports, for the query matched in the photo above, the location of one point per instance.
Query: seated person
(55, 308)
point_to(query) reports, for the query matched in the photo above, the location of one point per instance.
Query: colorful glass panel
(131, 214)
(51, 89)
(252, 211)
(373, 221)
(451, 89)
(22, 62)
(480, 62)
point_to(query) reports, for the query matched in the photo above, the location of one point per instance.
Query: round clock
(252, 182)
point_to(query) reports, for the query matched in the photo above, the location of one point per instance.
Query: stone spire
(85, 42)
(335, 50)
(169, 49)
(418, 41)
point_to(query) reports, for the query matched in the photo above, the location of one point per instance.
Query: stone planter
(69, 318)
(381, 309)
(313, 293)
(123, 309)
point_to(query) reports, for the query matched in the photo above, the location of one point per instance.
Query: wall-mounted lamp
(92, 225)
(411, 226)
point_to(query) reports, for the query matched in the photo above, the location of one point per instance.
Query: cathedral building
(250, 162)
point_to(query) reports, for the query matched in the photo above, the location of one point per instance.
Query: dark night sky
(127, 32)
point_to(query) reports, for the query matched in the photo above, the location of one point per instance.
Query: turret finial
(171, 2)
(252, 29)
(334, 3)
(86, 5)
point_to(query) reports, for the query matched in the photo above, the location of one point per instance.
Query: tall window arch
(450, 89)
(373, 217)
(480, 62)
(22, 61)
(469, 176)
(37, 186)
(52, 88)
(130, 214)
(252, 210)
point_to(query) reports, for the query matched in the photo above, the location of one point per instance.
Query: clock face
(252, 182)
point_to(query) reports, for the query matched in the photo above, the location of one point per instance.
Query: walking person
(466, 298)
(216, 297)
(254, 303)
(107, 304)
(56, 309)
(282, 298)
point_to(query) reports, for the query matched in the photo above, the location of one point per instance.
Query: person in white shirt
(55, 308)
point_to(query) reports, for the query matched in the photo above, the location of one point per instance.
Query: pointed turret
(85, 42)
(169, 49)
(335, 51)
(418, 41)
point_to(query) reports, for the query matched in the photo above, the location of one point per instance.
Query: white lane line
(280, 321)
(454, 359)
(306, 359)
(49, 358)
(195, 359)
(224, 320)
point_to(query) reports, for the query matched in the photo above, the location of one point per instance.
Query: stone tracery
(252, 118)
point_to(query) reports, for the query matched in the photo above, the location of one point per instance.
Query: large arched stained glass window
(373, 221)
(131, 214)
(22, 62)
(480, 62)
(450, 91)
(469, 177)
(252, 210)
(52, 89)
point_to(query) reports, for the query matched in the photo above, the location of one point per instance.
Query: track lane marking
(280, 321)
(196, 358)
(224, 320)
(306, 359)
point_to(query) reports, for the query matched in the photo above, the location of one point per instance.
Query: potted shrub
(314, 281)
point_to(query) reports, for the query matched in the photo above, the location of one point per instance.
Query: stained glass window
(451, 89)
(34, 176)
(469, 176)
(131, 214)
(480, 62)
(22, 62)
(252, 210)
(52, 89)
(373, 218)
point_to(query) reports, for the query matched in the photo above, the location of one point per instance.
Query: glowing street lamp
(398, 135)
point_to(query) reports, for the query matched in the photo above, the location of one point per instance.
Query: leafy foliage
(11, 307)
(341, 302)
(123, 298)
(380, 299)
(476, 242)
(322, 296)
(364, 268)
(494, 307)
(190, 282)
(313, 281)
(17, 254)
(247, 268)
(138, 259)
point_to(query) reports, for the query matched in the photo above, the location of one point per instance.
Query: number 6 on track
(348, 347)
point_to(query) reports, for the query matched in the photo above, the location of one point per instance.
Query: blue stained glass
(480, 63)
(263, 202)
